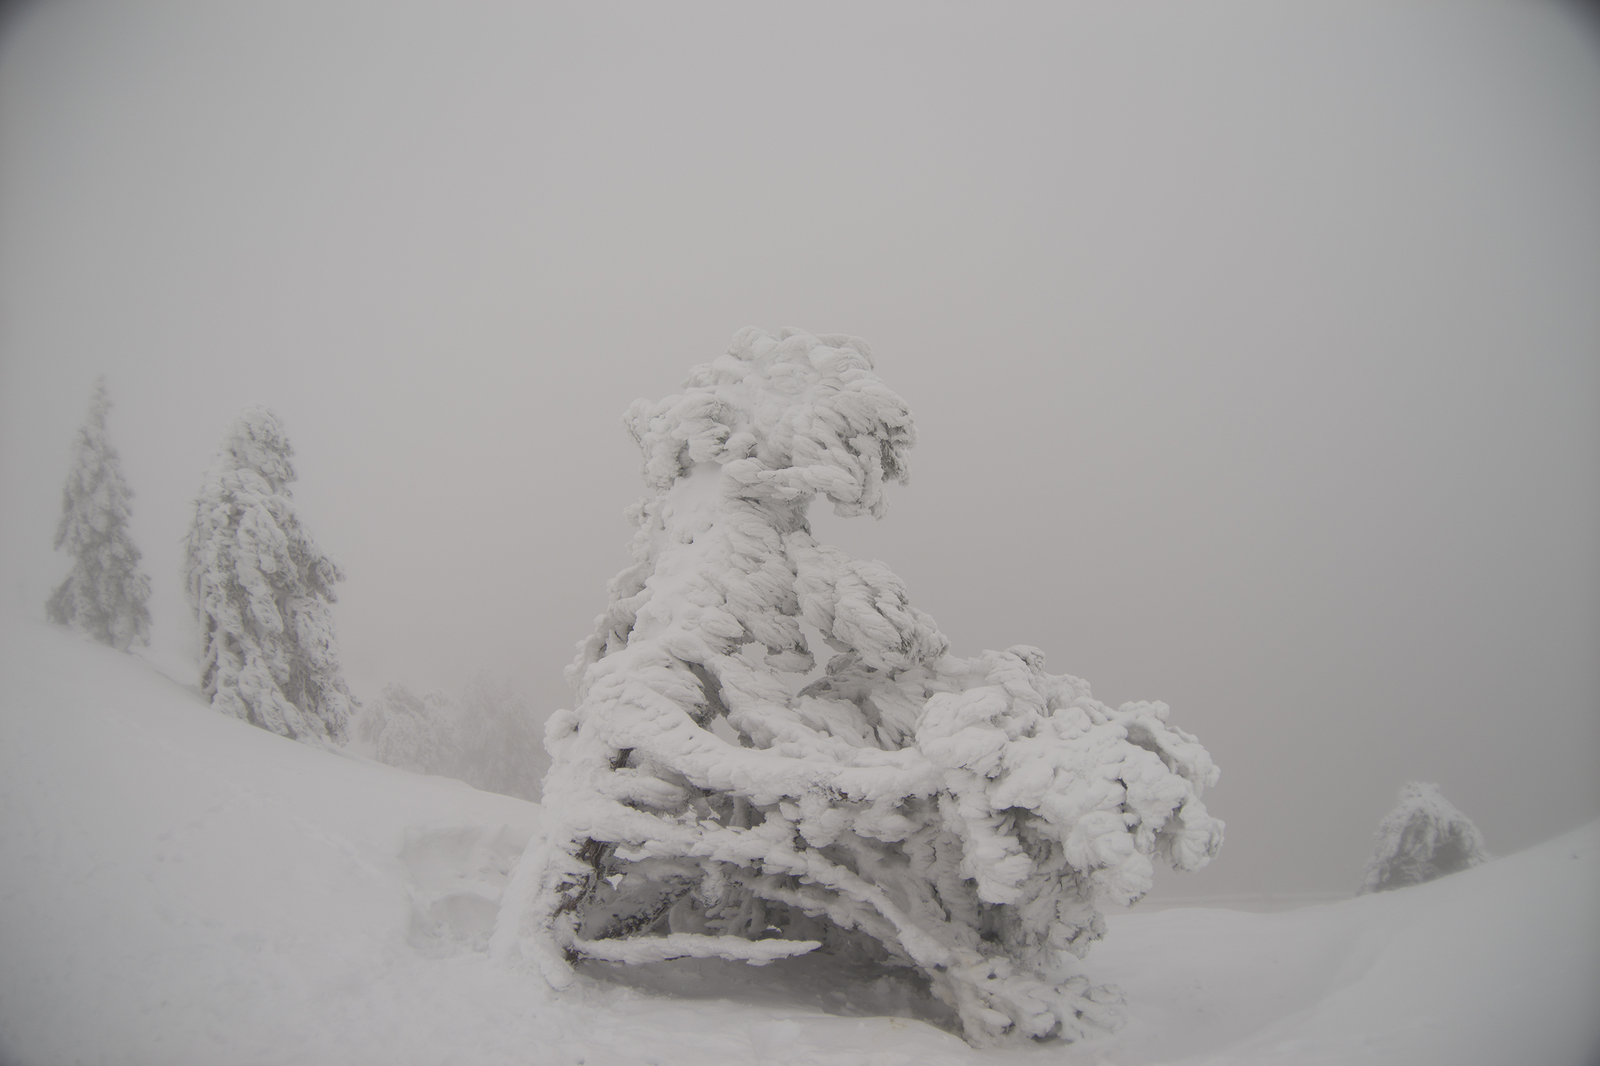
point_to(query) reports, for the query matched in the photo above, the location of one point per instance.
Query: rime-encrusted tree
(1423, 838)
(106, 593)
(261, 589)
(962, 817)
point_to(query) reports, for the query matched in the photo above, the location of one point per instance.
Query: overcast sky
(1254, 348)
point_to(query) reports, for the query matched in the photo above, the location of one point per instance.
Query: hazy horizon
(1254, 351)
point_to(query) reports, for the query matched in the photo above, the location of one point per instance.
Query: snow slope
(178, 887)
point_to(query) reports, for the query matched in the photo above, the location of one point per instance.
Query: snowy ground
(177, 887)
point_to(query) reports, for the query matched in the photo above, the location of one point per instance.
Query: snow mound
(179, 887)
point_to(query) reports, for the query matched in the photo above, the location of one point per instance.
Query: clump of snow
(1423, 838)
(178, 888)
(490, 738)
(261, 589)
(106, 594)
(713, 795)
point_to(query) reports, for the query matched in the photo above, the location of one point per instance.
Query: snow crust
(178, 888)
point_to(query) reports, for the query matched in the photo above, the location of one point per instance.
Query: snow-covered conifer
(105, 595)
(498, 741)
(1423, 838)
(411, 732)
(966, 818)
(261, 589)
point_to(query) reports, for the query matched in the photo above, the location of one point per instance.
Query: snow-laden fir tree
(1423, 838)
(261, 587)
(498, 741)
(966, 818)
(105, 596)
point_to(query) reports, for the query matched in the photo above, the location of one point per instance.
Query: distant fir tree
(261, 587)
(1423, 838)
(491, 738)
(411, 732)
(105, 595)
(501, 741)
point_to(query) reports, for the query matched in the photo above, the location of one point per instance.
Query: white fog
(1253, 360)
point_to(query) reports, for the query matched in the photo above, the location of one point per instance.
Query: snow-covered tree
(411, 732)
(106, 593)
(261, 589)
(490, 739)
(1423, 838)
(499, 741)
(719, 793)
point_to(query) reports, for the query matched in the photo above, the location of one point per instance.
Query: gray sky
(1255, 348)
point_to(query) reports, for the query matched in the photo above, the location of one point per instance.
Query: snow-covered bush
(261, 587)
(490, 739)
(1423, 838)
(106, 594)
(966, 818)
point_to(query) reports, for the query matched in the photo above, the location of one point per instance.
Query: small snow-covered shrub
(105, 596)
(718, 792)
(1423, 838)
(490, 739)
(260, 588)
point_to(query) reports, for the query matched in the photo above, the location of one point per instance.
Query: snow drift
(177, 887)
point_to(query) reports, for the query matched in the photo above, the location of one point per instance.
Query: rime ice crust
(1425, 837)
(964, 817)
(261, 587)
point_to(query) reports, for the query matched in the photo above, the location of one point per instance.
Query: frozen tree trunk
(261, 587)
(1423, 838)
(965, 818)
(106, 594)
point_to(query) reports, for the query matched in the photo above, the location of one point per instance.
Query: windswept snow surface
(179, 887)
